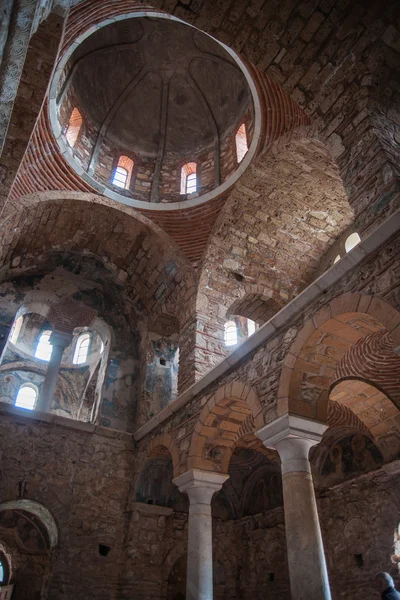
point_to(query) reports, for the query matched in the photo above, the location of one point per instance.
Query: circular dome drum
(153, 112)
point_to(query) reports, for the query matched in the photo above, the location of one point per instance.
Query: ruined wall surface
(93, 502)
(83, 479)
(358, 521)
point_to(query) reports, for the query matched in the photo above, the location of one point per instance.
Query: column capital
(291, 426)
(200, 485)
(60, 338)
(292, 437)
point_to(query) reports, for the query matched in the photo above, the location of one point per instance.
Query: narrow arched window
(16, 329)
(123, 172)
(189, 178)
(27, 396)
(241, 143)
(337, 259)
(74, 127)
(352, 241)
(81, 349)
(44, 348)
(2, 574)
(230, 333)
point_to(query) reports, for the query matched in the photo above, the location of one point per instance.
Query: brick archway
(162, 445)
(231, 413)
(320, 348)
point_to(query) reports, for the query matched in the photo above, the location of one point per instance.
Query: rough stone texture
(326, 166)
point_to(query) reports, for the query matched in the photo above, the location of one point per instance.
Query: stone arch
(232, 411)
(376, 412)
(40, 511)
(256, 304)
(310, 365)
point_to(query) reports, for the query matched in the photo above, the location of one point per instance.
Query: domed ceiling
(161, 93)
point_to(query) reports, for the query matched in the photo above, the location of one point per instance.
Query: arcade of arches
(199, 299)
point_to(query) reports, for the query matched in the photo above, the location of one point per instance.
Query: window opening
(337, 259)
(44, 348)
(120, 177)
(352, 241)
(1, 571)
(74, 127)
(27, 396)
(16, 329)
(251, 327)
(241, 143)
(189, 178)
(81, 349)
(395, 558)
(123, 172)
(230, 333)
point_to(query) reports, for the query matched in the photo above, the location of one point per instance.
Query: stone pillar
(200, 487)
(59, 341)
(293, 437)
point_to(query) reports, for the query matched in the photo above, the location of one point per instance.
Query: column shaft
(200, 486)
(199, 581)
(293, 437)
(59, 343)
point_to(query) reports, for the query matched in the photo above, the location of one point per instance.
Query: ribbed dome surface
(160, 91)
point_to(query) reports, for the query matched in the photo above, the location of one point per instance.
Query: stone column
(59, 341)
(200, 487)
(293, 437)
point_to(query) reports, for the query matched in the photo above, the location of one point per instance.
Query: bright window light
(44, 348)
(26, 397)
(230, 333)
(241, 143)
(189, 178)
(120, 177)
(251, 327)
(191, 183)
(81, 349)
(352, 241)
(337, 259)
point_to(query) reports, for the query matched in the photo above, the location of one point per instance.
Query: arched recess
(326, 343)
(232, 412)
(259, 306)
(165, 443)
(120, 236)
(377, 412)
(40, 511)
(270, 234)
(154, 482)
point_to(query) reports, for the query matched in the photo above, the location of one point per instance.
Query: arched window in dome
(231, 337)
(74, 127)
(352, 241)
(337, 259)
(44, 348)
(189, 178)
(27, 396)
(81, 349)
(241, 143)
(123, 172)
